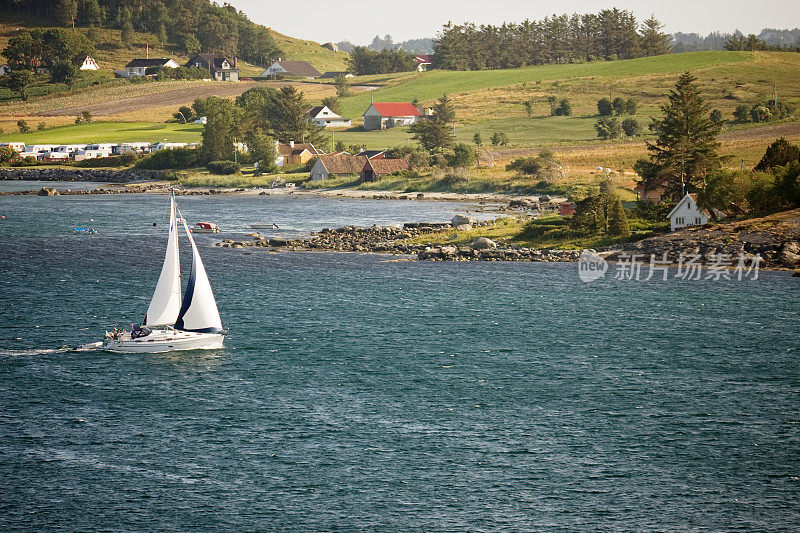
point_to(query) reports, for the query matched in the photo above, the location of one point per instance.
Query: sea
(367, 392)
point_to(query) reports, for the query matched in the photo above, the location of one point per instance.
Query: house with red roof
(423, 62)
(384, 115)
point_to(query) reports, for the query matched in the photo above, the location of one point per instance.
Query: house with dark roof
(323, 117)
(328, 166)
(688, 213)
(375, 168)
(292, 69)
(219, 68)
(138, 67)
(384, 115)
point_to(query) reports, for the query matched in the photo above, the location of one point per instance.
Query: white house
(292, 69)
(383, 115)
(89, 64)
(138, 67)
(688, 213)
(323, 117)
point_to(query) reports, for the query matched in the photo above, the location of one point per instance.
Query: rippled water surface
(356, 392)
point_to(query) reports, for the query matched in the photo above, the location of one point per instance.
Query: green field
(110, 132)
(428, 86)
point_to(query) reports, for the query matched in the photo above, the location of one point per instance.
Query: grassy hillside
(430, 85)
(300, 50)
(111, 132)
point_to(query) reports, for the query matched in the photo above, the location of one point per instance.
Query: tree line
(363, 61)
(190, 25)
(609, 34)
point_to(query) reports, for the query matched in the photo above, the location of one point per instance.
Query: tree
(619, 106)
(66, 12)
(41, 126)
(618, 220)
(64, 72)
(631, 127)
(86, 115)
(23, 126)
(262, 150)
(477, 140)
(18, 80)
(221, 129)
(563, 109)
(716, 116)
(444, 111)
(608, 128)
(161, 34)
(342, 87)
(90, 13)
(499, 138)
(653, 41)
(126, 26)
(630, 106)
(333, 104)
(464, 156)
(741, 114)
(433, 135)
(589, 215)
(686, 148)
(183, 114)
(780, 153)
(605, 108)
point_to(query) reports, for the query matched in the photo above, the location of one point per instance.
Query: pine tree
(686, 148)
(66, 11)
(618, 220)
(653, 41)
(444, 110)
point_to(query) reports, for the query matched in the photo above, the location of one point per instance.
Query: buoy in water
(155, 223)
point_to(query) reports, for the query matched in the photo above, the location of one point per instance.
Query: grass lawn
(110, 132)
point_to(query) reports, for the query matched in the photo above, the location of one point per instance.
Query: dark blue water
(360, 393)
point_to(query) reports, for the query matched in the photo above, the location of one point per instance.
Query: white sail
(166, 302)
(199, 311)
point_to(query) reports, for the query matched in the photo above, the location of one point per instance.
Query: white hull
(160, 341)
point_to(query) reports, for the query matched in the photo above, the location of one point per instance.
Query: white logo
(591, 266)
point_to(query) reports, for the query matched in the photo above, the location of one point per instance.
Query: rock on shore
(80, 174)
(776, 238)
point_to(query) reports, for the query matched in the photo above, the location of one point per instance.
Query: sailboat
(171, 323)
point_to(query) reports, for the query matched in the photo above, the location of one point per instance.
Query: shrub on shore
(176, 158)
(223, 167)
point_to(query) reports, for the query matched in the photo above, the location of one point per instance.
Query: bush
(112, 161)
(716, 116)
(464, 156)
(760, 113)
(177, 158)
(499, 139)
(741, 114)
(223, 167)
(779, 153)
(563, 109)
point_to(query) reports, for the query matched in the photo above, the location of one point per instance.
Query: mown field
(110, 132)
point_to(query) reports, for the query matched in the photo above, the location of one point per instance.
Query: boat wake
(23, 353)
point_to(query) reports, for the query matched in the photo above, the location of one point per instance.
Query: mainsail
(166, 300)
(199, 311)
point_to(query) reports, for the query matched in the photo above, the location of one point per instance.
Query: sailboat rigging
(172, 323)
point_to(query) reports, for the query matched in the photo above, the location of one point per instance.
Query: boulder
(47, 191)
(461, 220)
(483, 243)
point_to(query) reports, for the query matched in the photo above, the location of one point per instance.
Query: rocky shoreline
(80, 174)
(401, 241)
(776, 238)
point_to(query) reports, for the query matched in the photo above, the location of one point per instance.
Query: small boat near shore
(86, 231)
(205, 227)
(264, 226)
(172, 324)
